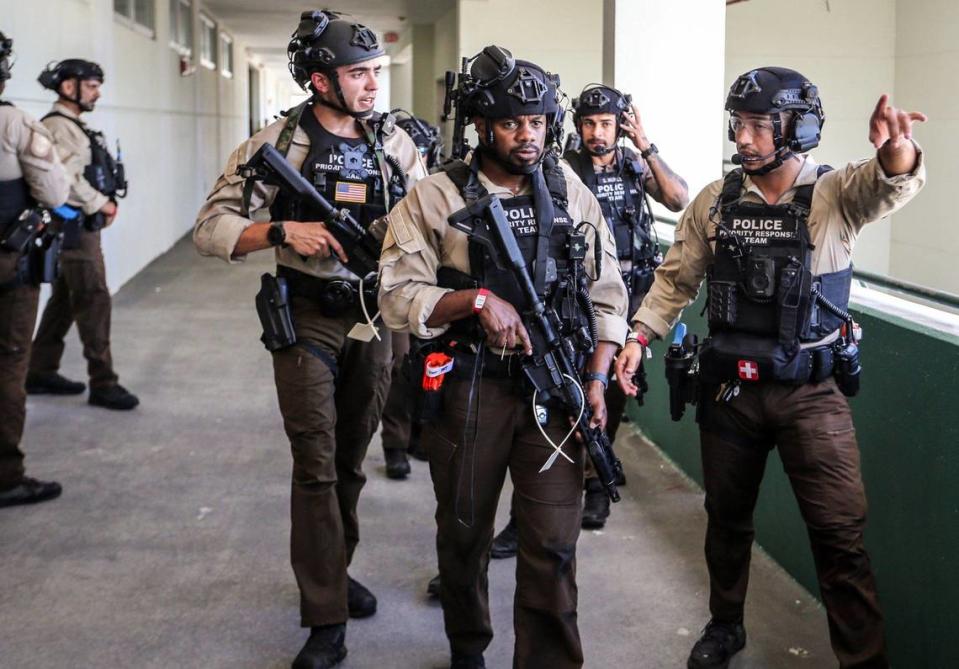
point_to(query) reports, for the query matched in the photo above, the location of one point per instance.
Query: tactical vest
(622, 197)
(348, 172)
(104, 173)
(547, 255)
(761, 291)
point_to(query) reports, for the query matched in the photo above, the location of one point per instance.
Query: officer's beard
(511, 162)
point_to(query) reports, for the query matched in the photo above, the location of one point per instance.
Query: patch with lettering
(522, 219)
(611, 188)
(763, 229)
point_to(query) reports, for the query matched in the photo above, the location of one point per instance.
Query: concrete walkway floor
(169, 547)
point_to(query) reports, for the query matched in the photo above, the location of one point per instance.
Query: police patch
(764, 230)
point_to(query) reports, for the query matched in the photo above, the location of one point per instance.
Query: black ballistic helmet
(324, 41)
(426, 137)
(498, 86)
(6, 50)
(71, 68)
(600, 99)
(769, 90)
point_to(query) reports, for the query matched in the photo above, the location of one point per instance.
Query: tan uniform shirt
(419, 241)
(73, 146)
(221, 221)
(27, 151)
(843, 201)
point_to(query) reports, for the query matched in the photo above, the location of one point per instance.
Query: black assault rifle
(551, 369)
(362, 249)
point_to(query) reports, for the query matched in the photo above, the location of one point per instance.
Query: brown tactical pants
(80, 294)
(812, 427)
(397, 418)
(18, 313)
(329, 423)
(468, 469)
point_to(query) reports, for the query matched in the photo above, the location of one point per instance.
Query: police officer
(774, 240)
(488, 425)
(80, 293)
(400, 435)
(426, 137)
(332, 383)
(30, 175)
(620, 179)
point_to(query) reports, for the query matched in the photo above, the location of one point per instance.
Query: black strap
(803, 196)
(545, 217)
(318, 352)
(732, 188)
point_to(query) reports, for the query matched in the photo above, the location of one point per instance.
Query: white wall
(671, 63)
(851, 57)
(175, 131)
(925, 241)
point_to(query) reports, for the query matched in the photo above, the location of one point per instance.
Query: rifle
(551, 369)
(454, 98)
(269, 166)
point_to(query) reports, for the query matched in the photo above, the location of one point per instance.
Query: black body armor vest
(763, 300)
(346, 172)
(548, 257)
(622, 197)
(104, 172)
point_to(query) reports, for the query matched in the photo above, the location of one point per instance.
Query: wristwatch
(276, 235)
(650, 151)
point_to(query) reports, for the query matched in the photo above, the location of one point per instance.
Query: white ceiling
(266, 26)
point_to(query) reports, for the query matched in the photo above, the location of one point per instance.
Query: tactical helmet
(426, 137)
(6, 50)
(501, 87)
(601, 99)
(71, 68)
(769, 90)
(324, 41)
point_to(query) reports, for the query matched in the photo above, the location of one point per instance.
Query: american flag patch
(349, 191)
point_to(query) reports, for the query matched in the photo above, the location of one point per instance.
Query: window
(137, 14)
(208, 42)
(226, 55)
(181, 26)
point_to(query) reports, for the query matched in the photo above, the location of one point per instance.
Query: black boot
(506, 543)
(53, 384)
(30, 491)
(114, 397)
(595, 505)
(467, 661)
(717, 645)
(325, 648)
(359, 600)
(397, 464)
(433, 587)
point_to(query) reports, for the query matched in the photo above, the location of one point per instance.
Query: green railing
(907, 422)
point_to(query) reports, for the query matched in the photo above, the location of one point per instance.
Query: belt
(335, 296)
(494, 367)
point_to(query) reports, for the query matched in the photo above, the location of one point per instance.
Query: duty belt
(334, 296)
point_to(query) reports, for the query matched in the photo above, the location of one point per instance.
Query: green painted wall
(907, 421)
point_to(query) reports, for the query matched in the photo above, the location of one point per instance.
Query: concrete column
(672, 63)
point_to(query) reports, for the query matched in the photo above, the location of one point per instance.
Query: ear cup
(806, 133)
